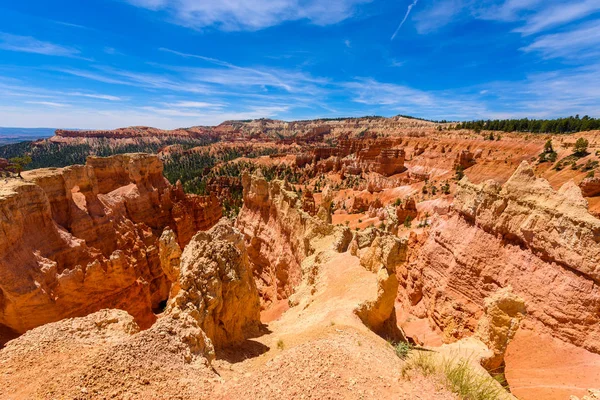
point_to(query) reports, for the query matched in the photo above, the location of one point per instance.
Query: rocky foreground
(119, 285)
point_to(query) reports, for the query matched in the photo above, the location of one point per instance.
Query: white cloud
(195, 104)
(549, 94)
(438, 14)
(559, 14)
(47, 103)
(407, 100)
(236, 15)
(28, 44)
(582, 42)
(409, 9)
(93, 76)
(534, 16)
(96, 96)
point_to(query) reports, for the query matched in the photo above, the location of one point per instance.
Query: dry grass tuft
(455, 373)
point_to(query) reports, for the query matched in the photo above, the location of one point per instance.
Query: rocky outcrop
(464, 159)
(217, 288)
(542, 243)
(384, 256)
(503, 312)
(389, 162)
(556, 226)
(590, 187)
(82, 238)
(408, 209)
(278, 235)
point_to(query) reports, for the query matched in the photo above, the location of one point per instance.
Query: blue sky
(177, 63)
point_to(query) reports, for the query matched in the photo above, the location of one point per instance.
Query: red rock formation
(464, 159)
(542, 243)
(590, 187)
(389, 162)
(308, 202)
(277, 234)
(82, 238)
(408, 208)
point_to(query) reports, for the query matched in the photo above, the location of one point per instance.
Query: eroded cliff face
(543, 243)
(278, 235)
(78, 239)
(216, 288)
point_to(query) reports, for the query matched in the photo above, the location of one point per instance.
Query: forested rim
(51, 154)
(559, 125)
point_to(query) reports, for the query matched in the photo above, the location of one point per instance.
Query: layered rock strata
(543, 243)
(278, 235)
(78, 239)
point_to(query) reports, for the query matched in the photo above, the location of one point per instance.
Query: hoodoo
(79, 239)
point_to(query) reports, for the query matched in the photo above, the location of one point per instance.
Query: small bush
(590, 165)
(408, 221)
(581, 146)
(459, 172)
(280, 344)
(457, 374)
(402, 349)
(446, 188)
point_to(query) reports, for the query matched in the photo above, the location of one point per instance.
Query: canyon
(276, 259)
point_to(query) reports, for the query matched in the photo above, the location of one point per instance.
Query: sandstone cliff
(82, 238)
(543, 243)
(278, 235)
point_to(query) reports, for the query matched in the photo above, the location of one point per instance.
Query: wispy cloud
(410, 7)
(28, 44)
(236, 76)
(559, 14)
(437, 14)
(195, 104)
(47, 103)
(96, 96)
(534, 16)
(92, 75)
(238, 15)
(582, 42)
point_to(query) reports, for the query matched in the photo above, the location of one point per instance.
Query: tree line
(51, 154)
(559, 125)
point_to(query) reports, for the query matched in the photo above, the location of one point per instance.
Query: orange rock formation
(82, 238)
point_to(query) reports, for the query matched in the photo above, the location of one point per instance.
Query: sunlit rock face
(79, 239)
(523, 234)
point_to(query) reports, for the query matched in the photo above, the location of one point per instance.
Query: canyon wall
(542, 243)
(278, 235)
(82, 238)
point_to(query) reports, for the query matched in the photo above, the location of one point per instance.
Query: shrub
(581, 146)
(590, 165)
(280, 344)
(446, 188)
(408, 221)
(456, 374)
(402, 349)
(459, 172)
